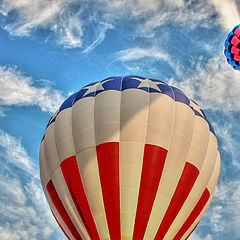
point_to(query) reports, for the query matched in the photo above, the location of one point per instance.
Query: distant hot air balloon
(129, 158)
(232, 48)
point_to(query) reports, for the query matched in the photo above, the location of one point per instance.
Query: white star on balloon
(149, 84)
(93, 88)
(107, 80)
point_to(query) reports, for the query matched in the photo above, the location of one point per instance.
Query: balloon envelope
(232, 48)
(129, 158)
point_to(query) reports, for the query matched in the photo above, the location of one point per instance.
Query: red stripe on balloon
(194, 214)
(61, 210)
(153, 163)
(234, 50)
(237, 32)
(185, 184)
(235, 41)
(60, 226)
(73, 180)
(236, 58)
(108, 164)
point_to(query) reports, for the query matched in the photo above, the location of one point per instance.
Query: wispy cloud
(14, 153)
(195, 236)
(228, 12)
(17, 89)
(68, 30)
(229, 142)
(223, 217)
(56, 16)
(30, 14)
(100, 38)
(139, 53)
(68, 22)
(213, 84)
(143, 60)
(24, 213)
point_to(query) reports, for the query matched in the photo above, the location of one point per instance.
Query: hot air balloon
(232, 48)
(129, 158)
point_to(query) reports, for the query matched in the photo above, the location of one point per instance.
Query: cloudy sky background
(51, 48)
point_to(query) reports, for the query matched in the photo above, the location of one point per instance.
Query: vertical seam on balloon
(173, 123)
(50, 175)
(70, 167)
(75, 153)
(169, 143)
(84, 233)
(186, 160)
(52, 170)
(46, 164)
(108, 167)
(119, 149)
(94, 102)
(167, 154)
(143, 155)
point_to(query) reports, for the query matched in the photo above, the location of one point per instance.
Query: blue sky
(50, 49)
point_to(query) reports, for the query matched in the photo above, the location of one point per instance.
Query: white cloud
(229, 143)
(2, 112)
(63, 18)
(213, 85)
(138, 53)
(143, 60)
(24, 213)
(69, 30)
(76, 24)
(30, 14)
(17, 89)
(138, 9)
(100, 37)
(223, 217)
(54, 15)
(186, 14)
(228, 12)
(14, 153)
(195, 236)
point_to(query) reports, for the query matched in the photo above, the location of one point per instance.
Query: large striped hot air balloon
(129, 158)
(232, 48)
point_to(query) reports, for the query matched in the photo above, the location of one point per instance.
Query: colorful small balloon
(129, 158)
(232, 48)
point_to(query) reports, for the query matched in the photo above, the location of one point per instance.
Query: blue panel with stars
(129, 82)
(79, 95)
(156, 80)
(118, 83)
(112, 84)
(179, 96)
(166, 89)
(68, 102)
